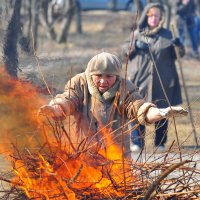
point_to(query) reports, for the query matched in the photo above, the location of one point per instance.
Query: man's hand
(54, 111)
(176, 111)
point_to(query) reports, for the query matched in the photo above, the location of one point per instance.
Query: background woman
(151, 38)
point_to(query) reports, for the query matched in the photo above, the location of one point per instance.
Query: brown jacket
(92, 113)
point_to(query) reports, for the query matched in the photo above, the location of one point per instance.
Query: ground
(106, 31)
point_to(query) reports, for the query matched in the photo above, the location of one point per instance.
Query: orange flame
(18, 114)
(44, 166)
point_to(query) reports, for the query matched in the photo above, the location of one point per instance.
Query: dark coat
(146, 76)
(186, 12)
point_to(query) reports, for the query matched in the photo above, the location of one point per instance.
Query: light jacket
(92, 113)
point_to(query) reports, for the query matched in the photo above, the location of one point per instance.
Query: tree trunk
(47, 20)
(78, 18)
(25, 28)
(35, 22)
(114, 5)
(139, 8)
(69, 12)
(10, 41)
(168, 14)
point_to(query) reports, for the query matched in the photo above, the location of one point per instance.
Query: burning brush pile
(49, 162)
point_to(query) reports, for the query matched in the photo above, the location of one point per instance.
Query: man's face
(104, 82)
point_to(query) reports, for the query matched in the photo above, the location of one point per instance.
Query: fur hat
(104, 63)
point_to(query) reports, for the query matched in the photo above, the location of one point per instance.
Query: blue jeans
(137, 136)
(193, 31)
(161, 127)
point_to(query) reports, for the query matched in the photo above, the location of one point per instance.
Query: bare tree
(46, 19)
(10, 41)
(35, 7)
(78, 18)
(69, 11)
(52, 14)
(138, 7)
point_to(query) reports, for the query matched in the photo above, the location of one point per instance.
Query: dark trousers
(161, 127)
(193, 31)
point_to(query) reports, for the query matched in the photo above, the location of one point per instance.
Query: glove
(177, 42)
(176, 111)
(54, 111)
(141, 45)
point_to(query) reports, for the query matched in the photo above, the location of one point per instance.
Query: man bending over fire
(100, 97)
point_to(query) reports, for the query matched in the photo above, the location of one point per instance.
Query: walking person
(91, 97)
(187, 18)
(151, 37)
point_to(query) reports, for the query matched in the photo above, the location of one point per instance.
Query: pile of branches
(60, 169)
